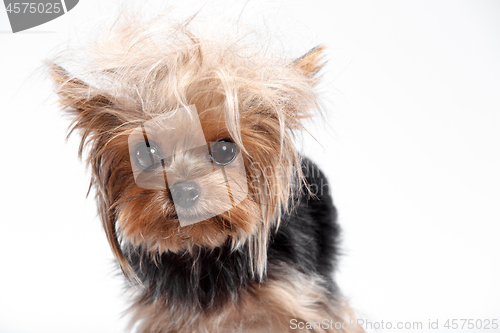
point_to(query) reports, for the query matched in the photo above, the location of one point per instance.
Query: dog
(216, 221)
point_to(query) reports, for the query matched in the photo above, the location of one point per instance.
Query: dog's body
(214, 289)
(217, 222)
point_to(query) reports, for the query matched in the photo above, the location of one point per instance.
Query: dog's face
(187, 170)
(203, 179)
(190, 145)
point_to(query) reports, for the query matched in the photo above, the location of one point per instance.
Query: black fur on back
(306, 240)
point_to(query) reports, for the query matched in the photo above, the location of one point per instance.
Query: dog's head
(189, 140)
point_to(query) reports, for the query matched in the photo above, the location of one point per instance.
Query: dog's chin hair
(237, 226)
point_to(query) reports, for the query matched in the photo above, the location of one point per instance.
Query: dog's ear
(92, 111)
(311, 62)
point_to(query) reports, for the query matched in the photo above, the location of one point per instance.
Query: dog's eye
(145, 156)
(223, 152)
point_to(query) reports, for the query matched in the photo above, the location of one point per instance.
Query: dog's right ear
(311, 62)
(92, 111)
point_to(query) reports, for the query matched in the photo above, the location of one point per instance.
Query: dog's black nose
(185, 194)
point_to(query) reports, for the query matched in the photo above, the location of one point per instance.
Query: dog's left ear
(73, 92)
(92, 111)
(311, 62)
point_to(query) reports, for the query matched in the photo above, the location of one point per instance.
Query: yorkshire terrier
(215, 219)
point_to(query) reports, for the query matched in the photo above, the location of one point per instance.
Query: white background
(412, 151)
